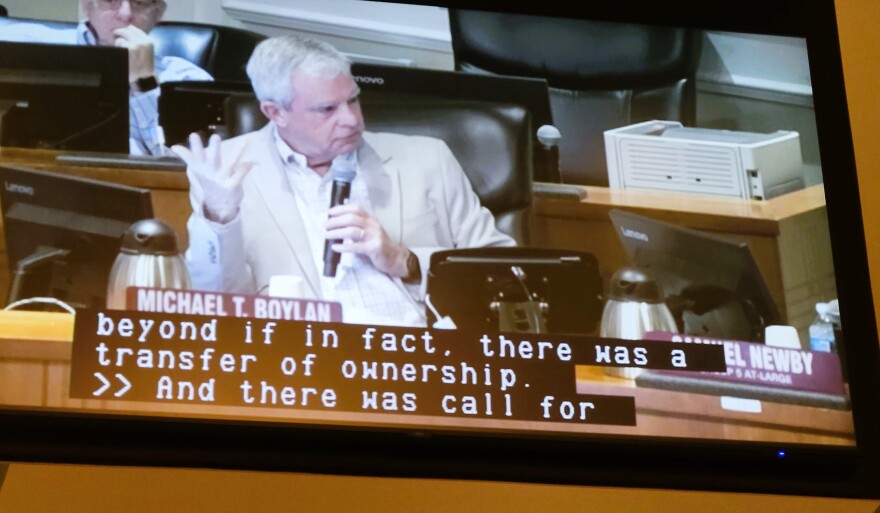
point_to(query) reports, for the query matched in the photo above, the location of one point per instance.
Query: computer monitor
(189, 106)
(64, 97)
(533, 290)
(63, 233)
(712, 283)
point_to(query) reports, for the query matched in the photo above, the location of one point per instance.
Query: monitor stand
(5, 107)
(521, 316)
(40, 259)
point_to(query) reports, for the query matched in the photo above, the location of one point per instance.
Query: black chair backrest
(491, 141)
(432, 86)
(193, 43)
(601, 75)
(222, 51)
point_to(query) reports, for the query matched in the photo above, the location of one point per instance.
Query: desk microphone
(342, 169)
(549, 136)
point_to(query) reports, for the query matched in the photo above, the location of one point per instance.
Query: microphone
(549, 136)
(342, 169)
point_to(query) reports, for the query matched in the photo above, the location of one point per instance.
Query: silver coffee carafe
(635, 306)
(149, 257)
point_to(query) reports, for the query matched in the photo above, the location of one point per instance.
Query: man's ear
(272, 111)
(160, 10)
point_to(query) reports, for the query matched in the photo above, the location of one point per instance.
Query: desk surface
(720, 214)
(729, 212)
(702, 415)
(35, 373)
(45, 160)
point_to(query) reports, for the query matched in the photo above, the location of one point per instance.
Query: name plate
(754, 364)
(195, 302)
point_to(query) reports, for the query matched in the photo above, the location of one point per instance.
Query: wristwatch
(413, 269)
(144, 84)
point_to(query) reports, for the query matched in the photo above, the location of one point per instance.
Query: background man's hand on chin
(140, 51)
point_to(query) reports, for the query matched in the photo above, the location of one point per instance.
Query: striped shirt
(367, 295)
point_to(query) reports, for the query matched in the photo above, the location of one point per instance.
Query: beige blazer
(418, 191)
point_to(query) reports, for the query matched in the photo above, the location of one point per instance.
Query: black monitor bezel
(75, 196)
(107, 132)
(732, 259)
(653, 462)
(568, 282)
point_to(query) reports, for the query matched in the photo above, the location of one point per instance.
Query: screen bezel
(111, 218)
(100, 75)
(595, 460)
(733, 260)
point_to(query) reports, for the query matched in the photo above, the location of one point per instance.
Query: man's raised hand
(221, 185)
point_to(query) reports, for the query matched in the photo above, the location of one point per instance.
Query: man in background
(261, 200)
(125, 24)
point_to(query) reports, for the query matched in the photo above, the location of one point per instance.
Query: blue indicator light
(781, 454)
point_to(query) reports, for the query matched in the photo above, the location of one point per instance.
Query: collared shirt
(367, 295)
(145, 137)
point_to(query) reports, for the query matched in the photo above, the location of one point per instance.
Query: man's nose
(124, 10)
(349, 114)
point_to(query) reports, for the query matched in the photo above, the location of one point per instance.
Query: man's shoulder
(171, 68)
(241, 142)
(394, 141)
(35, 32)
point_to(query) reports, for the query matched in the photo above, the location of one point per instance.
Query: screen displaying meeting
(450, 223)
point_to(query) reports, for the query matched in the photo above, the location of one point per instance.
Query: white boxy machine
(664, 155)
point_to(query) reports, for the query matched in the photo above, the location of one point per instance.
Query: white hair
(275, 60)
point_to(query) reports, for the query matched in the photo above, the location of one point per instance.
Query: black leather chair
(221, 51)
(492, 142)
(601, 75)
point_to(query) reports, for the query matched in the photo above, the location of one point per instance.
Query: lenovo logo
(369, 80)
(19, 189)
(632, 234)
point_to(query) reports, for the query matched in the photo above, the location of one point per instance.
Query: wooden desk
(35, 373)
(788, 235)
(702, 415)
(169, 189)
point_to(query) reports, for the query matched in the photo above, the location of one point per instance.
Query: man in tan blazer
(260, 201)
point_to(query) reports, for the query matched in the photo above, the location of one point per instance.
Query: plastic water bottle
(822, 330)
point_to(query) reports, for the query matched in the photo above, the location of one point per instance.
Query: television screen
(592, 351)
